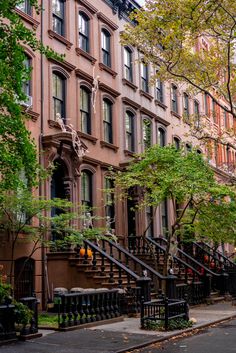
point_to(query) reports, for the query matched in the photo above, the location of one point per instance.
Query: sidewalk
(117, 337)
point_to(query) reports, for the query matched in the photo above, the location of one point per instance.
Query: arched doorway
(24, 277)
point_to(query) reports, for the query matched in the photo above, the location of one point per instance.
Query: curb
(175, 335)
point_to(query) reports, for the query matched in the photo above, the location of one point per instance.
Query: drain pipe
(43, 254)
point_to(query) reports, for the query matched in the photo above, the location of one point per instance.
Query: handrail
(137, 260)
(220, 254)
(175, 257)
(110, 258)
(190, 258)
(206, 251)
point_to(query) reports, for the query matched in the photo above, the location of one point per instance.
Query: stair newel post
(171, 285)
(86, 254)
(207, 285)
(224, 283)
(145, 284)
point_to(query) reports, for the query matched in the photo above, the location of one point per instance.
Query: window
(26, 87)
(85, 112)
(159, 90)
(161, 137)
(177, 143)
(58, 94)
(150, 225)
(147, 133)
(107, 120)
(164, 217)
(129, 131)
(206, 103)
(83, 32)
(106, 48)
(25, 6)
(174, 99)
(110, 205)
(144, 77)
(214, 110)
(196, 114)
(58, 16)
(86, 189)
(186, 105)
(128, 64)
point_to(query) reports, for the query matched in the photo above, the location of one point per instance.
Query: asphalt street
(218, 339)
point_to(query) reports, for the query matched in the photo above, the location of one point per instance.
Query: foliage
(173, 324)
(23, 314)
(197, 200)
(168, 34)
(25, 218)
(5, 288)
(17, 148)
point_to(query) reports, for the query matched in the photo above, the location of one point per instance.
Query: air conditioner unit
(27, 102)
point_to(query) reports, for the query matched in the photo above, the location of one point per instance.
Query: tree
(199, 204)
(168, 33)
(17, 149)
(29, 220)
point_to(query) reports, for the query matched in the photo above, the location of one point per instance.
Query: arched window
(85, 111)
(83, 32)
(159, 90)
(174, 98)
(161, 137)
(58, 16)
(177, 143)
(128, 66)
(107, 120)
(86, 189)
(147, 133)
(106, 48)
(25, 6)
(26, 87)
(144, 76)
(186, 106)
(129, 131)
(58, 95)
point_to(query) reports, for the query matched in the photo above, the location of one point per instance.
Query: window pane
(83, 32)
(161, 137)
(58, 8)
(147, 133)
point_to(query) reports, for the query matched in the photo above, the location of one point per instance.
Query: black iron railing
(133, 262)
(32, 326)
(163, 310)
(7, 322)
(75, 309)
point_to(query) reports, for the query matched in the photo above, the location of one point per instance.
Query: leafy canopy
(167, 32)
(17, 149)
(198, 202)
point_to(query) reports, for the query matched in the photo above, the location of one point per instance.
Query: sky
(141, 2)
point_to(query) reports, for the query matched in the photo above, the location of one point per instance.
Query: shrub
(173, 324)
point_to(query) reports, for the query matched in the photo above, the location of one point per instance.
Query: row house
(105, 92)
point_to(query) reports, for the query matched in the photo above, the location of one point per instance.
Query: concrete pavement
(118, 337)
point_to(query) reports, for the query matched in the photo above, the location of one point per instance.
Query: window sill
(107, 69)
(146, 95)
(88, 137)
(129, 153)
(85, 55)
(109, 145)
(32, 114)
(175, 114)
(28, 18)
(60, 38)
(160, 104)
(129, 83)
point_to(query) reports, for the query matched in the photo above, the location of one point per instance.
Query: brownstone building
(105, 92)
